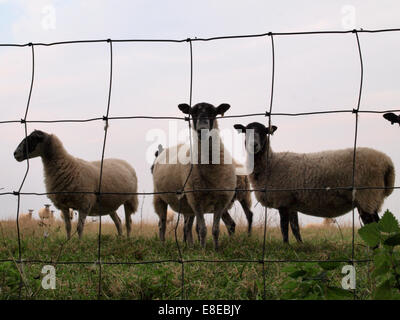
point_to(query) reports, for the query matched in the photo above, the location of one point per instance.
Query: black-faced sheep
(327, 169)
(65, 173)
(207, 171)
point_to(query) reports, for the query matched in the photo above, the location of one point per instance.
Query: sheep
(27, 216)
(170, 217)
(46, 215)
(170, 178)
(328, 221)
(244, 198)
(65, 173)
(327, 169)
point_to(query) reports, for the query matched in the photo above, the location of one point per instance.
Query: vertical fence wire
(181, 192)
(18, 193)
(355, 111)
(268, 113)
(105, 118)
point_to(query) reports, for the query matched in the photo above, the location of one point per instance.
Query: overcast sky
(313, 73)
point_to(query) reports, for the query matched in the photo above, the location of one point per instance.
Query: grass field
(225, 280)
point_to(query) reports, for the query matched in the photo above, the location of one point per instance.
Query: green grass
(225, 280)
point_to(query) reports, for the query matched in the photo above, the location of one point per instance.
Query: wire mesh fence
(269, 113)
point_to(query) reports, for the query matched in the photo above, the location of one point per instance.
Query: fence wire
(268, 113)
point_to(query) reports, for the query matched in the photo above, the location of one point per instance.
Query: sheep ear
(240, 128)
(184, 107)
(38, 135)
(222, 108)
(391, 117)
(273, 129)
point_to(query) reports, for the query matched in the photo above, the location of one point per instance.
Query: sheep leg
(229, 223)
(202, 229)
(249, 215)
(187, 229)
(67, 221)
(368, 217)
(198, 231)
(215, 228)
(294, 225)
(161, 209)
(117, 221)
(128, 220)
(81, 223)
(284, 214)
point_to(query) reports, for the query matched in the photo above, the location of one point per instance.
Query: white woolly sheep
(169, 178)
(170, 217)
(27, 216)
(65, 173)
(244, 198)
(46, 215)
(330, 170)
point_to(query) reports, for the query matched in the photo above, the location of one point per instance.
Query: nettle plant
(314, 281)
(384, 236)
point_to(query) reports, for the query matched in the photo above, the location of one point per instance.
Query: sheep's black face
(256, 135)
(203, 115)
(30, 147)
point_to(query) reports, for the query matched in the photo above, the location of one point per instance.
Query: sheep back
(172, 177)
(328, 169)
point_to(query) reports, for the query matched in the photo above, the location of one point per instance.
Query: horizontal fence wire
(263, 261)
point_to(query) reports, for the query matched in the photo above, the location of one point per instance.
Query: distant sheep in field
(27, 216)
(329, 221)
(70, 214)
(173, 176)
(330, 170)
(170, 217)
(65, 173)
(46, 215)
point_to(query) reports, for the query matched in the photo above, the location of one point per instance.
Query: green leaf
(329, 265)
(292, 268)
(393, 240)
(381, 262)
(370, 234)
(334, 293)
(383, 291)
(388, 223)
(290, 285)
(297, 274)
